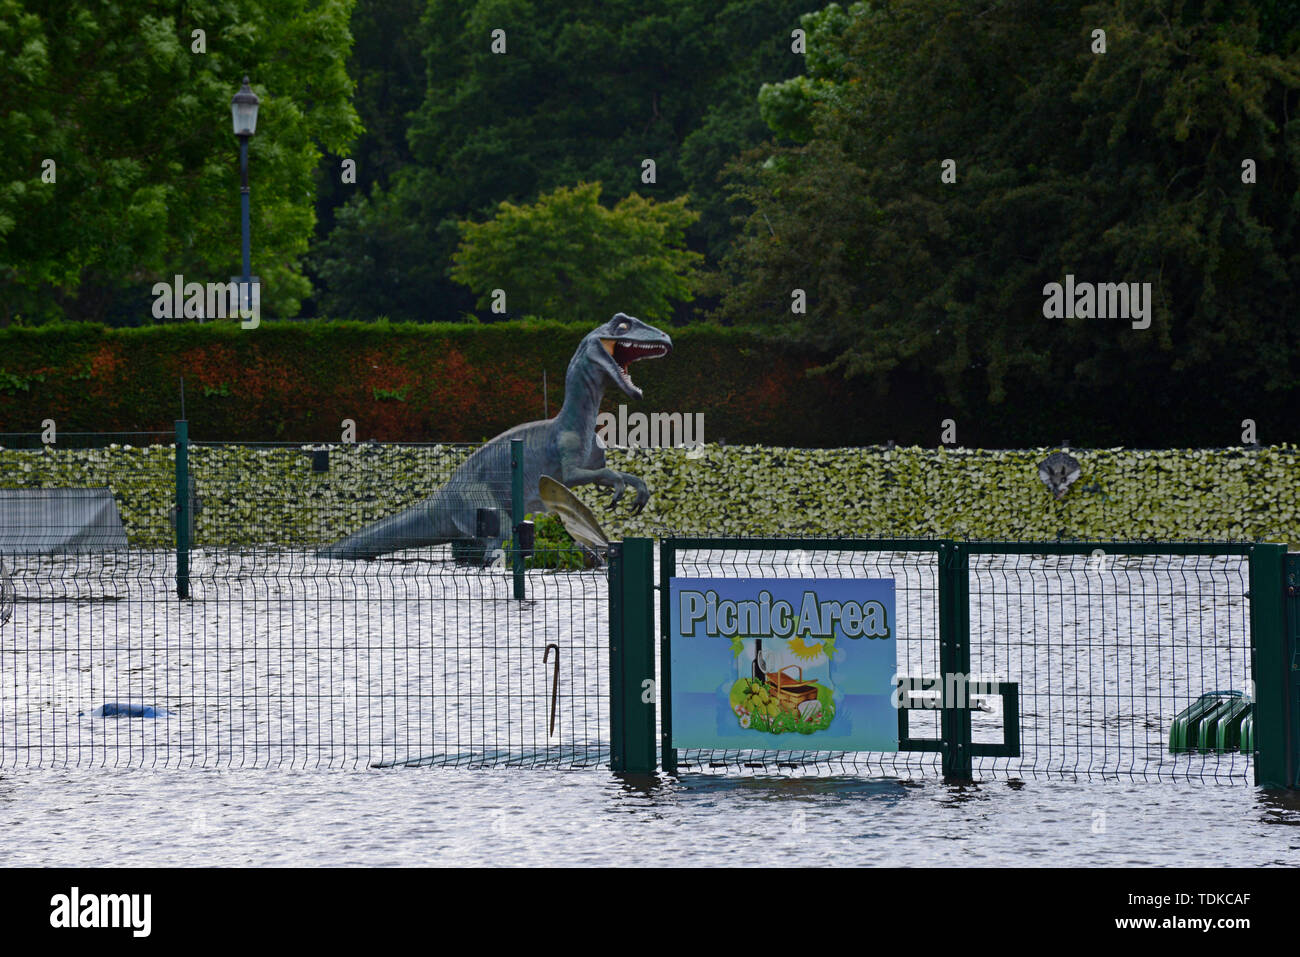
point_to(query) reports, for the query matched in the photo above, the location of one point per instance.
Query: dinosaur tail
(415, 527)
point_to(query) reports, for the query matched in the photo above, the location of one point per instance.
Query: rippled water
(510, 817)
(279, 662)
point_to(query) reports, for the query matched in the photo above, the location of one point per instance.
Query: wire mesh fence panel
(79, 513)
(1097, 652)
(916, 586)
(339, 613)
(292, 494)
(282, 656)
(277, 661)
(75, 492)
(1106, 650)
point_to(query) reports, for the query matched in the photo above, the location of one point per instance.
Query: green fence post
(1273, 610)
(617, 721)
(1291, 665)
(517, 512)
(954, 659)
(631, 656)
(182, 508)
(667, 570)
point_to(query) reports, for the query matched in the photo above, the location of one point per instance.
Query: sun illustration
(805, 651)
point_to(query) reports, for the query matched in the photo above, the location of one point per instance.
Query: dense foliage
(585, 91)
(1122, 166)
(920, 175)
(421, 382)
(133, 108)
(567, 255)
(273, 495)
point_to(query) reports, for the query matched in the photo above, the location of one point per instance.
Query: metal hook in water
(555, 683)
(9, 596)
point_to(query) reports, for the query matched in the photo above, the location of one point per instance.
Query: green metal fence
(212, 635)
(217, 637)
(1092, 648)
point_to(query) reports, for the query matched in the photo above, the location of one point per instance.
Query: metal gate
(1025, 658)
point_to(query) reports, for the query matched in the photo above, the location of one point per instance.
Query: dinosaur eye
(622, 326)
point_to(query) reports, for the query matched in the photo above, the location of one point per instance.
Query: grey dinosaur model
(564, 448)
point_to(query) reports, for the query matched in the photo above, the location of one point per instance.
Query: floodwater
(283, 681)
(521, 817)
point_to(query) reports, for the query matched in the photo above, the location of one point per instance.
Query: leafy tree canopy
(137, 122)
(1125, 166)
(586, 90)
(567, 256)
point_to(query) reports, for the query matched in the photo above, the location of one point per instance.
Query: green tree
(1117, 167)
(568, 257)
(137, 123)
(356, 267)
(367, 259)
(585, 91)
(787, 107)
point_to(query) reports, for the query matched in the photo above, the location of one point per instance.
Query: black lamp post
(243, 111)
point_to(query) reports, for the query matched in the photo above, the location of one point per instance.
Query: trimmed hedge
(1175, 494)
(271, 495)
(398, 382)
(467, 382)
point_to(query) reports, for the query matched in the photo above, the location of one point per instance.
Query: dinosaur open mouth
(625, 352)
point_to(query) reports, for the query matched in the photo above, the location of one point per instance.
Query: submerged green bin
(1217, 721)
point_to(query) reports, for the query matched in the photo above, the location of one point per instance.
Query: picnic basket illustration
(779, 699)
(789, 690)
(792, 690)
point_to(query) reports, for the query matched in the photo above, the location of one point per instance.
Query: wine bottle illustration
(759, 672)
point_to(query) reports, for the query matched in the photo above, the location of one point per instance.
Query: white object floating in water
(810, 710)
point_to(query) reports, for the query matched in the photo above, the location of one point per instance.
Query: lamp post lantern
(243, 111)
